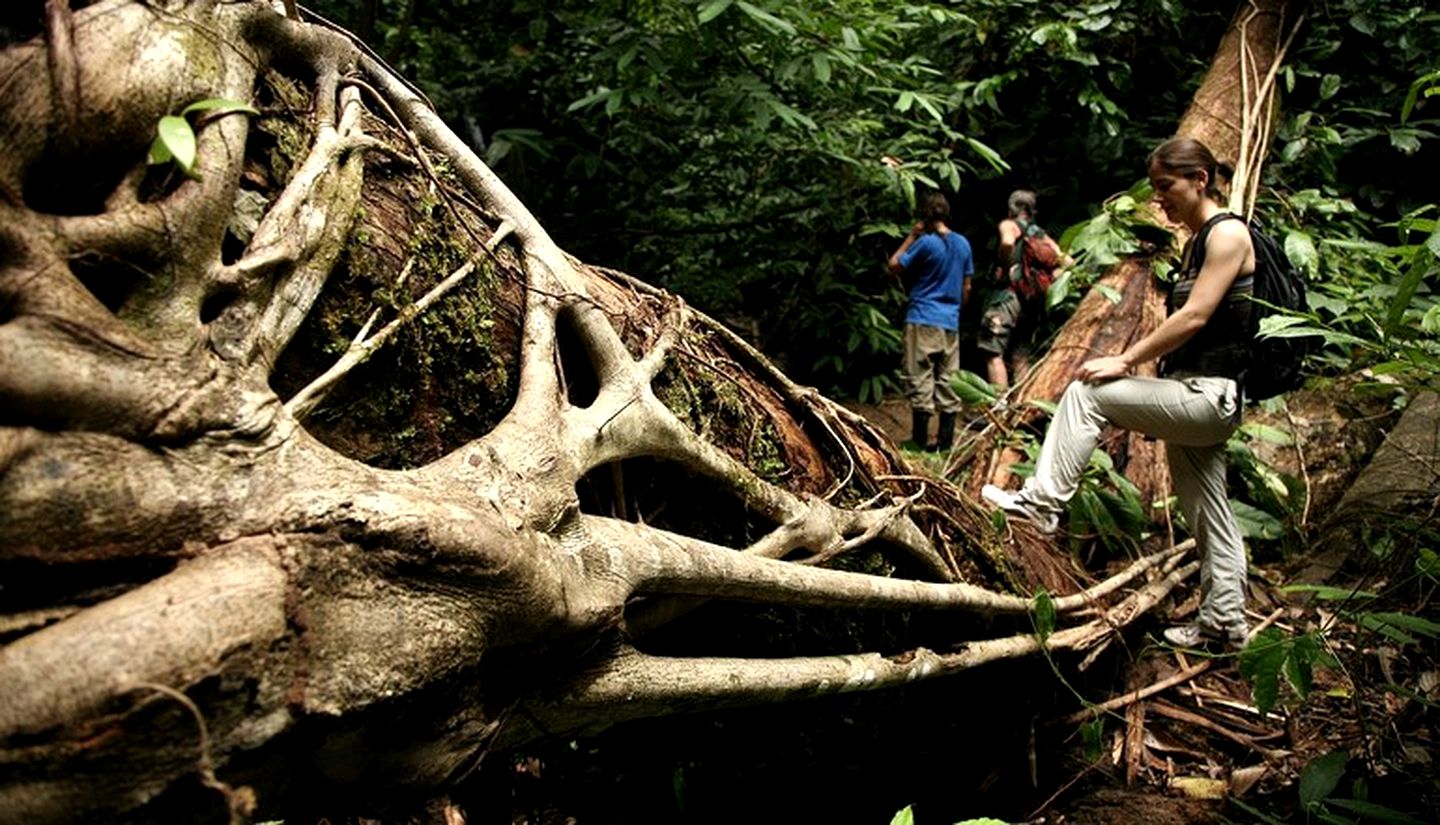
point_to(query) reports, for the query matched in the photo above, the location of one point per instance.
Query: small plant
(175, 136)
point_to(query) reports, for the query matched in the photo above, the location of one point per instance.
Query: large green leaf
(1321, 776)
(1256, 523)
(1260, 663)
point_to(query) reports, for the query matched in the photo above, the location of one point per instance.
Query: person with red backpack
(1031, 260)
(935, 264)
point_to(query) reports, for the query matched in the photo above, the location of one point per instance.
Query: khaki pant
(1195, 417)
(932, 358)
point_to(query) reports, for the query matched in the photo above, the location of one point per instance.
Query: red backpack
(1033, 262)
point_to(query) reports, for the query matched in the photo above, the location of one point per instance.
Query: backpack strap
(1196, 257)
(1017, 249)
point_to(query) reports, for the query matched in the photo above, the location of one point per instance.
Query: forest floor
(1353, 726)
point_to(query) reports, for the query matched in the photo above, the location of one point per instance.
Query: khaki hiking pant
(931, 360)
(1194, 416)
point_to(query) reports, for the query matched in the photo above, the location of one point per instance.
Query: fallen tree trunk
(327, 472)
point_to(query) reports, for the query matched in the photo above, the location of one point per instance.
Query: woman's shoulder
(1232, 231)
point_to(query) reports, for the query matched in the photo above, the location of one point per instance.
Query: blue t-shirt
(938, 266)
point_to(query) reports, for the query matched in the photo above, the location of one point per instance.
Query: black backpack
(1275, 364)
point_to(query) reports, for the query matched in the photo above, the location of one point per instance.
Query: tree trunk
(327, 472)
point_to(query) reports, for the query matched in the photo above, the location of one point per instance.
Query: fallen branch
(1133, 696)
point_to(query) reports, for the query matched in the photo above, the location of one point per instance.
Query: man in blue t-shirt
(936, 264)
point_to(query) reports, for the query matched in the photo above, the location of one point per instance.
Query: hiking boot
(1044, 521)
(919, 430)
(945, 436)
(1197, 636)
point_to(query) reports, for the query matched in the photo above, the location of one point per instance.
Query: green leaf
(1044, 615)
(1410, 98)
(219, 106)
(973, 389)
(1404, 293)
(1320, 778)
(1260, 664)
(174, 133)
(904, 816)
(1256, 523)
(990, 156)
(1329, 85)
(1111, 293)
(1299, 664)
(822, 67)
(1268, 433)
(1092, 733)
(712, 10)
(765, 18)
(1329, 593)
(1427, 563)
(591, 99)
(1370, 810)
(159, 153)
(1301, 249)
(1403, 621)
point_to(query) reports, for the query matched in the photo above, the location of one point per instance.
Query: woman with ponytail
(1194, 406)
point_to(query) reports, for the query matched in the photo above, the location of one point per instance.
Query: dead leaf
(1200, 787)
(1243, 779)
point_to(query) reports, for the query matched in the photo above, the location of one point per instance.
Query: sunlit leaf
(1267, 433)
(765, 18)
(1300, 248)
(712, 10)
(175, 134)
(1327, 592)
(219, 105)
(990, 156)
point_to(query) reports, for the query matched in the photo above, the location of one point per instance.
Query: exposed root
(633, 684)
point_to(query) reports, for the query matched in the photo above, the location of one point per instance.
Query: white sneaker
(1044, 521)
(1197, 636)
